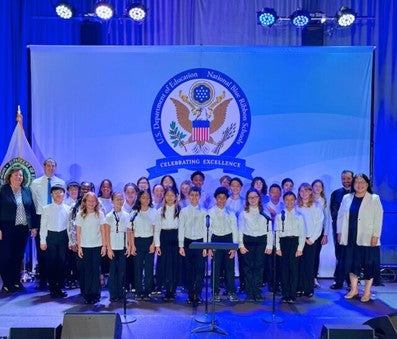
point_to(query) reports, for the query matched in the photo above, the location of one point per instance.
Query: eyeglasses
(253, 197)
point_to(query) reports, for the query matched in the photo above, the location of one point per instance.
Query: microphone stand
(206, 318)
(273, 318)
(126, 319)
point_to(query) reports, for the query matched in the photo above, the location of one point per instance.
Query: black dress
(358, 259)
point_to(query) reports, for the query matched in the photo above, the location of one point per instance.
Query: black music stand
(205, 318)
(212, 327)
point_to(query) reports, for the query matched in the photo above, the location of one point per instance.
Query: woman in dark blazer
(17, 219)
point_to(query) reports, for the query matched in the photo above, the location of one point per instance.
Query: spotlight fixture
(64, 10)
(137, 12)
(345, 17)
(104, 10)
(300, 18)
(267, 17)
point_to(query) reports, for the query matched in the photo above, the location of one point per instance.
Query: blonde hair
(305, 186)
(83, 207)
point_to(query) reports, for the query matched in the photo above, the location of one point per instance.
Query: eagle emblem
(200, 117)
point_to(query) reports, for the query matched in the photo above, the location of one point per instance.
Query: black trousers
(339, 274)
(57, 247)
(317, 254)
(91, 287)
(41, 257)
(289, 266)
(143, 265)
(167, 262)
(306, 269)
(194, 269)
(254, 263)
(12, 249)
(117, 274)
(222, 261)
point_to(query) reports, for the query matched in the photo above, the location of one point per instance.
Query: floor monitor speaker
(35, 332)
(385, 326)
(91, 325)
(347, 332)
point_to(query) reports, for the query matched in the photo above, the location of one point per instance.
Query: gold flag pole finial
(19, 115)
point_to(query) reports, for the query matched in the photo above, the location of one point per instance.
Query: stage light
(136, 12)
(267, 17)
(104, 10)
(64, 10)
(300, 18)
(345, 17)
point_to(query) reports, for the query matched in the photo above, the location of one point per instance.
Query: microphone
(207, 221)
(133, 218)
(267, 219)
(282, 220)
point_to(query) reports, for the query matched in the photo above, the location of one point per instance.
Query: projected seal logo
(28, 170)
(200, 119)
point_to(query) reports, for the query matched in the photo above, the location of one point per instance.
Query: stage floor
(304, 319)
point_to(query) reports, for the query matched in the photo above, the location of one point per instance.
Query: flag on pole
(20, 154)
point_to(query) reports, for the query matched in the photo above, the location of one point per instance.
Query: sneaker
(146, 297)
(291, 301)
(139, 297)
(284, 300)
(217, 298)
(233, 297)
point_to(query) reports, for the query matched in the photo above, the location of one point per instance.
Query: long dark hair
(164, 207)
(365, 177)
(137, 205)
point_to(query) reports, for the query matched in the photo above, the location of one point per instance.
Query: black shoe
(291, 301)
(19, 288)
(259, 298)
(336, 286)
(284, 300)
(114, 300)
(6, 289)
(41, 287)
(299, 293)
(62, 294)
(146, 297)
(308, 295)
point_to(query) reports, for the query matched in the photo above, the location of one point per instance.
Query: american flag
(201, 130)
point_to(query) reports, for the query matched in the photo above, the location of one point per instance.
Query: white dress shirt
(293, 226)
(254, 224)
(167, 223)
(39, 188)
(192, 221)
(54, 218)
(223, 222)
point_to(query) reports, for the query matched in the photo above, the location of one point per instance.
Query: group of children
(143, 231)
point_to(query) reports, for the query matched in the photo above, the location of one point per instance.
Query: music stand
(212, 327)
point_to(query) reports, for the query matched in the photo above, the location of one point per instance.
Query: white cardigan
(370, 217)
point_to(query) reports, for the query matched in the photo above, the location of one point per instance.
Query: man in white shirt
(41, 193)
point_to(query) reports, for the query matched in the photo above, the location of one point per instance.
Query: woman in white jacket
(359, 228)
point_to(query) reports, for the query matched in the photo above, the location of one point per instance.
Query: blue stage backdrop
(124, 112)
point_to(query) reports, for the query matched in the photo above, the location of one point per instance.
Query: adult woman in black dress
(17, 220)
(359, 228)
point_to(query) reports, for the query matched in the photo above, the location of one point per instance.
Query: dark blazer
(8, 207)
